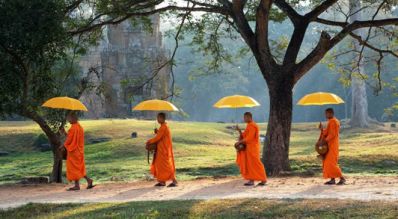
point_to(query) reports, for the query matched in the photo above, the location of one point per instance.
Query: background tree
(37, 65)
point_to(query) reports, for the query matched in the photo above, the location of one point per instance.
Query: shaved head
(329, 113)
(249, 114)
(72, 117)
(247, 117)
(161, 117)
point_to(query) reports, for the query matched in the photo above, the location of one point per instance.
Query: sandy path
(358, 188)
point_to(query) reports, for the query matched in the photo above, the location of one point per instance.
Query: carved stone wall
(127, 57)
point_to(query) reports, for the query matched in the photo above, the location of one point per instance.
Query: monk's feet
(341, 182)
(173, 184)
(160, 184)
(331, 182)
(90, 184)
(250, 183)
(262, 183)
(74, 188)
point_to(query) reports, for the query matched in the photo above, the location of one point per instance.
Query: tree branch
(347, 30)
(295, 17)
(372, 47)
(236, 12)
(294, 46)
(169, 61)
(320, 9)
(113, 21)
(314, 57)
(331, 23)
(262, 20)
(73, 6)
(358, 24)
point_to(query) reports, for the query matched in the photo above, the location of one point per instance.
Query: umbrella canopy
(155, 105)
(65, 103)
(320, 98)
(236, 101)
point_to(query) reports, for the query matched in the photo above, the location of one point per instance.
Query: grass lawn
(241, 208)
(201, 150)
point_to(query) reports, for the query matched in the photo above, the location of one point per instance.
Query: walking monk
(248, 160)
(330, 167)
(74, 145)
(162, 167)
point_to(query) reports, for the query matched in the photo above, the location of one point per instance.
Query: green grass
(240, 208)
(201, 150)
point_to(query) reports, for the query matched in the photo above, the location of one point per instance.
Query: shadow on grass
(374, 164)
(237, 208)
(191, 141)
(308, 149)
(214, 171)
(20, 142)
(369, 164)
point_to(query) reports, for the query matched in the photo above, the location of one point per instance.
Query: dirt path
(358, 188)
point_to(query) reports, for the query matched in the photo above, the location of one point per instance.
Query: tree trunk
(55, 141)
(276, 144)
(359, 108)
(56, 174)
(359, 105)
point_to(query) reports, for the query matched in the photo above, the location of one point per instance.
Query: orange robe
(331, 168)
(74, 144)
(248, 160)
(163, 168)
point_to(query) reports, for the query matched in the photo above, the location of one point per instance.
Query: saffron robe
(74, 144)
(330, 165)
(163, 168)
(248, 160)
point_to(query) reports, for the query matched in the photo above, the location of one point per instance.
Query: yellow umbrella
(65, 103)
(236, 101)
(155, 105)
(320, 98)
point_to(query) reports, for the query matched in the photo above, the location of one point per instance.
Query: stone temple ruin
(125, 60)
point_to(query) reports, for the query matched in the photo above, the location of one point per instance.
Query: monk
(162, 167)
(74, 145)
(248, 160)
(330, 166)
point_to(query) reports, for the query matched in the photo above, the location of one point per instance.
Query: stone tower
(129, 57)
